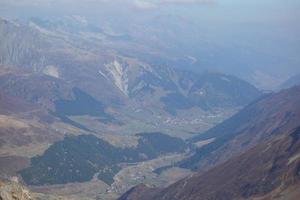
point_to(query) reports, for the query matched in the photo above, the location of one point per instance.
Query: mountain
(270, 170)
(292, 81)
(261, 120)
(129, 88)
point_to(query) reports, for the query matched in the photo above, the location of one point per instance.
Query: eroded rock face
(10, 190)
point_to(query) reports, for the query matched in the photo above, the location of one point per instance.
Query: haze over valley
(146, 99)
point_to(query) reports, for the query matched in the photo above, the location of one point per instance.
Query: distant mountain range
(126, 86)
(256, 154)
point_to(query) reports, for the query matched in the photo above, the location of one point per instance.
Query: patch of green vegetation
(156, 144)
(79, 158)
(106, 175)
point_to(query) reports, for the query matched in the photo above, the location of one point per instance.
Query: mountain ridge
(248, 127)
(129, 87)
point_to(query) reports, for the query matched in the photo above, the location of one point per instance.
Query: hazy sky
(272, 8)
(266, 28)
(285, 13)
(278, 12)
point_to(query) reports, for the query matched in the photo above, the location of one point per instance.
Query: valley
(154, 107)
(78, 129)
(252, 157)
(128, 177)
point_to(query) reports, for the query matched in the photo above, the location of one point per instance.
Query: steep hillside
(38, 89)
(25, 131)
(208, 91)
(54, 95)
(27, 124)
(12, 104)
(271, 170)
(261, 120)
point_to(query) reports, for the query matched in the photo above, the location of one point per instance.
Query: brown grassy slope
(258, 122)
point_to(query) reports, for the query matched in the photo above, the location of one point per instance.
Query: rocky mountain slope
(10, 190)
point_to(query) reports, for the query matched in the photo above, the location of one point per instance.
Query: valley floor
(129, 176)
